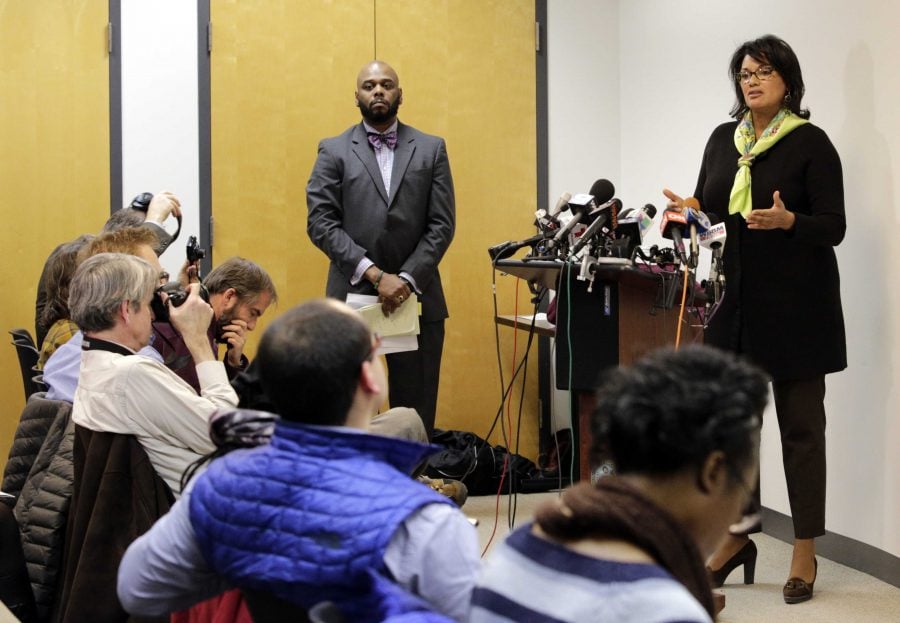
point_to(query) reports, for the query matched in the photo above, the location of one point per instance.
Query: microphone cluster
(704, 231)
(586, 225)
(592, 228)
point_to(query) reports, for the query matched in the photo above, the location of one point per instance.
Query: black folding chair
(28, 357)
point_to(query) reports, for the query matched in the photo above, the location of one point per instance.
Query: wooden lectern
(611, 321)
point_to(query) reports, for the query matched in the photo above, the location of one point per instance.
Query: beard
(373, 117)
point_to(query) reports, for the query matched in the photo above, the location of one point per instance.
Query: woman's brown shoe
(797, 590)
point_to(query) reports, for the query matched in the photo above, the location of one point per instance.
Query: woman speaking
(775, 180)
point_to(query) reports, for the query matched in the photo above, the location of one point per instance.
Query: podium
(614, 320)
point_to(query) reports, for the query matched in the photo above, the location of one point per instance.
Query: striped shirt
(531, 580)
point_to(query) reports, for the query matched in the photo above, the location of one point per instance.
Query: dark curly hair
(775, 52)
(671, 409)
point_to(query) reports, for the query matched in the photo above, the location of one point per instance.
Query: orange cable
(681, 310)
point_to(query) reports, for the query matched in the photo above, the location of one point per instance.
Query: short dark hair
(248, 279)
(310, 359)
(773, 51)
(671, 409)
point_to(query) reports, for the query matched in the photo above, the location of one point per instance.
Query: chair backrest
(23, 336)
(37, 377)
(28, 358)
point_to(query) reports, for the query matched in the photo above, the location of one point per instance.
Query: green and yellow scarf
(741, 201)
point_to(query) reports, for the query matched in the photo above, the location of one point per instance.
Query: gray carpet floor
(842, 594)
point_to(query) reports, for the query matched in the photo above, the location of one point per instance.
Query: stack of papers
(398, 331)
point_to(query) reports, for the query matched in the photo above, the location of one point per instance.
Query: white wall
(673, 88)
(160, 132)
(583, 36)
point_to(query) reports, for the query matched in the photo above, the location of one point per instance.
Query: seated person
(682, 428)
(122, 392)
(61, 369)
(55, 315)
(240, 292)
(359, 531)
(160, 208)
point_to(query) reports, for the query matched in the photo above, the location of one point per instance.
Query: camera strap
(93, 343)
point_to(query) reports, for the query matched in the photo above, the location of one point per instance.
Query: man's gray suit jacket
(352, 216)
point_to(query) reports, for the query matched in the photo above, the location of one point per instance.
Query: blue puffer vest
(308, 517)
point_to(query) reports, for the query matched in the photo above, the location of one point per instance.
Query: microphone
(698, 222)
(506, 249)
(561, 204)
(714, 237)
(550, 220)
(714, 240)
(643, 217)
(601, 192)
(607, 212)
(672, 227)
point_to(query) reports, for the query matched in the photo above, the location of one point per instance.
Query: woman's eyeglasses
(762, 74)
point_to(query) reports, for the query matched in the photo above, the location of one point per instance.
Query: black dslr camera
(176, 292)
(141, 203)
(195, 252)
(177, 296)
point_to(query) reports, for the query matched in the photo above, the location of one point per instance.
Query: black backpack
(479, 465)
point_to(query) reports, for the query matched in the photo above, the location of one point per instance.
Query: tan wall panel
(283, 76)
(467, 71)
(54, 154)
(282, 79)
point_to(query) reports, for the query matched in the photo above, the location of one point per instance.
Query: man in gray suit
(381, 206)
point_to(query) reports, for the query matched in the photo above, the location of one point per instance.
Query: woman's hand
(776, 217)
(675, 203)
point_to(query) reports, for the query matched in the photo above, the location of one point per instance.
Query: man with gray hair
(121, 392)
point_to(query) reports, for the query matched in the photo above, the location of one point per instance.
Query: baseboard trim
(844, 550)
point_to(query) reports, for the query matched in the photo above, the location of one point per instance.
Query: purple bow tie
(380, 140)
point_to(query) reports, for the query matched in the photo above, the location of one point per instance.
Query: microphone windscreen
(561, 204)
(602, 191)
(692, 202)
(650, 210)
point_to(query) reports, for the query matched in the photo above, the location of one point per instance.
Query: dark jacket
(117, 497)
(351, 215)
(43, 504)
(35, 421)
(782, 304)
(15, 592)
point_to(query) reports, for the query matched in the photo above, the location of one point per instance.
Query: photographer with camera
(147, 211)
(116, 391)
(120, 392)
(239, 292)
